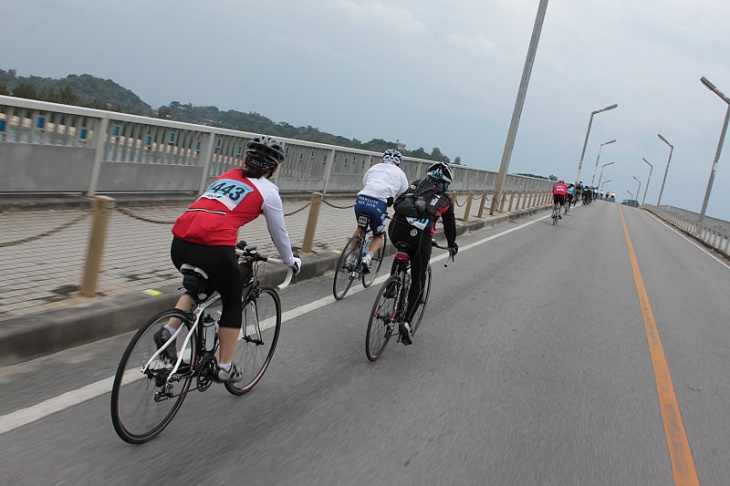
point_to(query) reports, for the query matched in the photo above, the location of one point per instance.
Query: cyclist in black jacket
(414, 234)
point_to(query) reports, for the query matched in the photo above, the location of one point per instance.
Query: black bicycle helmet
(264, 153)
(441, 172)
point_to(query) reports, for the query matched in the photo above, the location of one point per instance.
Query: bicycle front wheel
(145, 397)
(383, 319)
(257, 341)
(375, 263)
(346, 271)
(423, 301)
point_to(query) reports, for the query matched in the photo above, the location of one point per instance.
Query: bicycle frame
(201, 307)
(213, 299)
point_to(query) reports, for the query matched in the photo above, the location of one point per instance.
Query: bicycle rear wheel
(257, 340)
(383, 319)
(143, 400)
(375, 263)
(346, 272)
(423, 301)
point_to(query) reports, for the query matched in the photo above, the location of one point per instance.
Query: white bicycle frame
(213, 299)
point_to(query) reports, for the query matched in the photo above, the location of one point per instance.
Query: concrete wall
(43, 168)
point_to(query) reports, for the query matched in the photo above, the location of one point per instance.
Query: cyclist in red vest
(560, 189)
(205, 235)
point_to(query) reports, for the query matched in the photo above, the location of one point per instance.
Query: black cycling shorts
(224, 275)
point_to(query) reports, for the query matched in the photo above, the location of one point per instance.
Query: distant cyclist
(205, 235)
(569, 195)
(415, 234)
(560, 189)
(382, 183)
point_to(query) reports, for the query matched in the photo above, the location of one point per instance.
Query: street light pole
(719, 93)
(651, 168)
(519, 103)
(671, 149)
(595, 168)
(604, 182)
(585, 142)
(638, 191)
(603, 167)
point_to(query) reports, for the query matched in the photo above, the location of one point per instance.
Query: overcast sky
(430, 73)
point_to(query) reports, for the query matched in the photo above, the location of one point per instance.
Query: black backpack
(422, 200)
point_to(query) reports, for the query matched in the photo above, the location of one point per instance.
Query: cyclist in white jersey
(382, 183)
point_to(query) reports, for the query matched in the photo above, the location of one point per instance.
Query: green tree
(4, 89)
(437, 155)
(419, 153)
(25, 90)
(164, 112)
(67, 96)
(47, 94)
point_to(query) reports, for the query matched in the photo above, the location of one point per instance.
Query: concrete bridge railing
(52, 148)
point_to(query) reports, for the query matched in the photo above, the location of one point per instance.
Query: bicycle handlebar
(441, 247)
(251, 253)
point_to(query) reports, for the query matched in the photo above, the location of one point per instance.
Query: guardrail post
(99, 141)
(468, 206)
(312, 222)
(525, 197)
(501, 204)
(481, 205)
(205, 157)
(511, 201)
(102, 207)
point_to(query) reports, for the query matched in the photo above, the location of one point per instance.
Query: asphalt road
(536, 363)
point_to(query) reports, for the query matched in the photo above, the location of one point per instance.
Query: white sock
(369, 254)
(170, 328)
(225, 366)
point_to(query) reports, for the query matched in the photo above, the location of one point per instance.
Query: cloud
(476, 45)
(380, 18)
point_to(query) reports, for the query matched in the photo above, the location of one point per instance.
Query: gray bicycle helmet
(441, 172)
(264, 153)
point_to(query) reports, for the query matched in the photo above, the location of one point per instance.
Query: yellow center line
(680, 454)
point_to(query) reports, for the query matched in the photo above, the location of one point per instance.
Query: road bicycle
(349, 266)
(149, 387)
(389, 309)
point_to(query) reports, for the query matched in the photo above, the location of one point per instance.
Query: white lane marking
(693, 242)
(24, 416)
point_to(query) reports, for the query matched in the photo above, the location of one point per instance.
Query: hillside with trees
(92, 92)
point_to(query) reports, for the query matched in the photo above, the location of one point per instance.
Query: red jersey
(560, 189)
(229, 203)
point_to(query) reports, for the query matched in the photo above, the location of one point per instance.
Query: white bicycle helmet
(392, 156)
